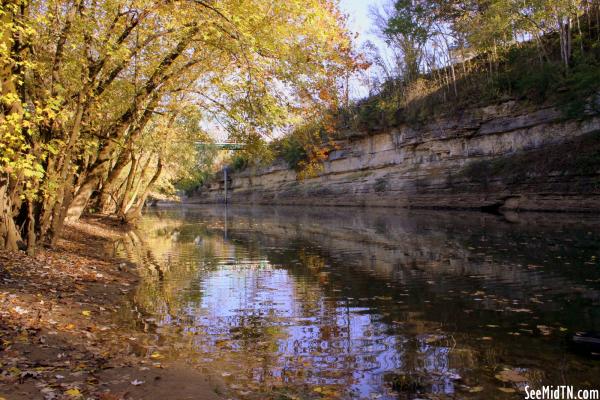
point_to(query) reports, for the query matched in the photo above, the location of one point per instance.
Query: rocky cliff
(500, 156)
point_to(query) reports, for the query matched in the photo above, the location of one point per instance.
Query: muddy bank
(58, 335)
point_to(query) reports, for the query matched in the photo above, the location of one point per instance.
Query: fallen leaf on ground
(545, 330)
(510, 375)
(73, 392)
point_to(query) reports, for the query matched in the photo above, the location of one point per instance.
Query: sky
(359, 21)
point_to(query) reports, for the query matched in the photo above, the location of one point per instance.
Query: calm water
(303, 303)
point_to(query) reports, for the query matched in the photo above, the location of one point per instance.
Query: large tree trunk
(98, 170)
(91, 183)
(9, 234)
(60, 213)
(60, 167)
(101, 166)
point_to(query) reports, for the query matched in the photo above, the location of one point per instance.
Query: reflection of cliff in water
(389, 243)
(426, 287)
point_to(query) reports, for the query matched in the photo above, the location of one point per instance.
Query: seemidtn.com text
(562, 392)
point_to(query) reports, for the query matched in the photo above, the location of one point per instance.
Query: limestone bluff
(508, 155)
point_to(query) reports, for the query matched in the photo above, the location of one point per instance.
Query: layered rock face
(500, 156)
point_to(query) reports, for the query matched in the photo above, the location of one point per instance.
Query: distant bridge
(222, 146)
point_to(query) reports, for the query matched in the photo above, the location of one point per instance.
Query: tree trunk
(49, 226)
(110, 184)
(85, 191)
(31, 236)
(143, 173)
(9, 234)
(134, 213)
(565, 41)
(101, 166)
(129, 184)
(60, 213)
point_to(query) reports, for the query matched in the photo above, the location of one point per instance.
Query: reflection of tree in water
(298, 338)
(162, 270)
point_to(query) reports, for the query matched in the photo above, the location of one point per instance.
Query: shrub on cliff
(307, 146)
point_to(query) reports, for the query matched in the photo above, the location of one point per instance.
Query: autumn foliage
(104, 100)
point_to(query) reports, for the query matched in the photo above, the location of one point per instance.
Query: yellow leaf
(73, 392)
(156, 355)
(86, 313)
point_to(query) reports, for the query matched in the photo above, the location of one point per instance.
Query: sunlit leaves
(90, 81)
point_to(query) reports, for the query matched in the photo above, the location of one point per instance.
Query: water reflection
(338, 303)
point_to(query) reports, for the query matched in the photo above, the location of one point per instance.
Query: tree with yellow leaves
(87, 84)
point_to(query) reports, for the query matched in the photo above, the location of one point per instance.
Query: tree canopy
(101, 97)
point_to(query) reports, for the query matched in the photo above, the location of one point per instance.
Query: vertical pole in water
(226, 223)
(225, 176)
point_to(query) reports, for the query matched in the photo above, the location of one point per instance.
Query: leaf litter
(58, 337)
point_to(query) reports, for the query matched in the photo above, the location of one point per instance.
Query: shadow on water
(347, 303)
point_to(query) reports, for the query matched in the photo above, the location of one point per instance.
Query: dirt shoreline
(58, 337)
